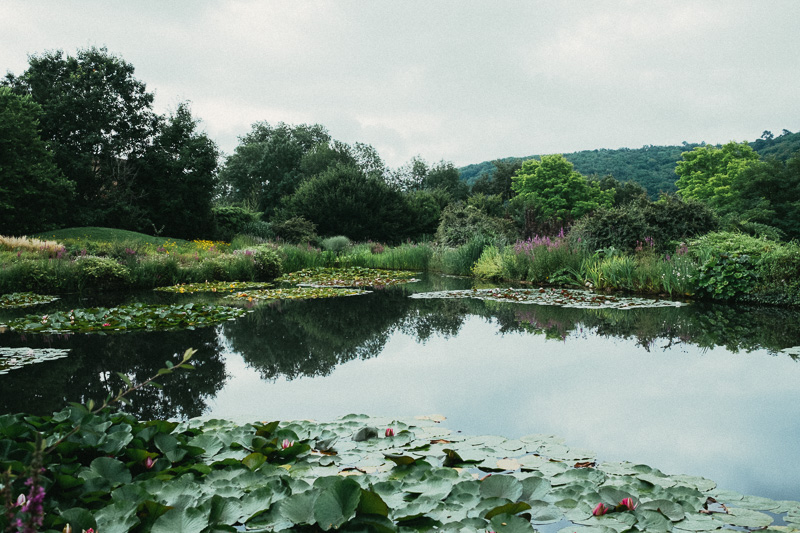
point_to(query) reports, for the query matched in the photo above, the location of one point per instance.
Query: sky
(461, 81)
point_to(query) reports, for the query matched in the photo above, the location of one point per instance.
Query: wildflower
(628, 503)
(389, 432)
(45, 318)
(148, 463)
(105, 325)
(600, 509)
(286, 444)
(21, 500)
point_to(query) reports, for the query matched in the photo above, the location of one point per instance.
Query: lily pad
(293, 293)
(127, 317)
(13, 358)
(215, 286)
(559, 297)
(348, 277)
(24, 299)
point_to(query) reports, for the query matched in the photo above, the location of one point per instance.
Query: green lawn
(103, 235)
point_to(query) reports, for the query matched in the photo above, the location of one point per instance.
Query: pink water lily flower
(389, 432)
(600, 509)
(149, 462)
(628, 503)
(286, 444)
(106, 325)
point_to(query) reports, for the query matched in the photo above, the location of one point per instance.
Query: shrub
(230, 220)
(460, 223)
(257, 228)
(459, 261)
(267, 263)
(101, 273)
(489, 265)
(296, 230)
(336, 244)
(725, 276)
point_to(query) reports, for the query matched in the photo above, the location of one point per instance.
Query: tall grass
(542, 260)
(416, 257)
(459, 261)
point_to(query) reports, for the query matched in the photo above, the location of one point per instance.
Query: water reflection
(661, 386)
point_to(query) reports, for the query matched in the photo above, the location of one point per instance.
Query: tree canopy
(556, 190)
(95, 116)
(34, 194)
(707, 173)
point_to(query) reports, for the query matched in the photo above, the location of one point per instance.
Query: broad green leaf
(669, 509)
(299, 508)
(505, 523)
(79, 518)
(501, 486)
(119, 517)
(188, 520)
(337, 504)
(738, 516)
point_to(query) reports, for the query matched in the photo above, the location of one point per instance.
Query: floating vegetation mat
(127, 317)
(294, 293)
(348, 277)
(214, 286)
(13, 358)
(24, 299)
(357, 474)
(560, 297)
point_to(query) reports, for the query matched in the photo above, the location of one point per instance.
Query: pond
(706, 390)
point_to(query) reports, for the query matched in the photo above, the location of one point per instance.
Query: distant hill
(652, 166)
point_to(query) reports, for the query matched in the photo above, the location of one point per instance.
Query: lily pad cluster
(348, 277)
(24, 299)
(294, 293)
(553, 296)
(214, 286)
(13, 358)
(354, 474)
(126, 318)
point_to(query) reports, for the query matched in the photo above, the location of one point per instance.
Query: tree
(768, 192)
(499, 181)
(178, 176)
(556, 190)
(344, 200)
(267, 165)
(96, 116)
(707, 173)
(34, 195)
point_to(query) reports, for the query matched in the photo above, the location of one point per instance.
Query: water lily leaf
(591, 475)
(371, 503)
(225, 510)
(119, 517)
(508, 508)
(697, 522)
(534, 488)
(365, 433)
(337, 504)
(757, 503)
(506, 523)
(670, 509)
(254, 460)
(501, 486)
(186, 520)
(651, 520)
(112, 471)
(700, 483)
(79, 518)
(738, 516)
(587, 529)
(299, 508)
(545, 513)
(508, 464)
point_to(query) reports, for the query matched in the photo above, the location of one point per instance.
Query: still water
(701, 390)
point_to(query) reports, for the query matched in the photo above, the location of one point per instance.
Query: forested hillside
(651, 166)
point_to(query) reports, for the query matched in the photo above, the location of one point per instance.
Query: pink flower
(600, 509)
(106, 325)
(286, 444)
(148, 463)
(21, 499)
(389, 432)
(629, 503)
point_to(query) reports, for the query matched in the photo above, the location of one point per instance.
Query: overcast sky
(463, 81)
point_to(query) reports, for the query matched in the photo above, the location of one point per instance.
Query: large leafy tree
(267, 165)
(556, 191)
(178, 177)
(707, 173)
(34, 195)
(345, 200)
(768, 192)
(96, 116)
